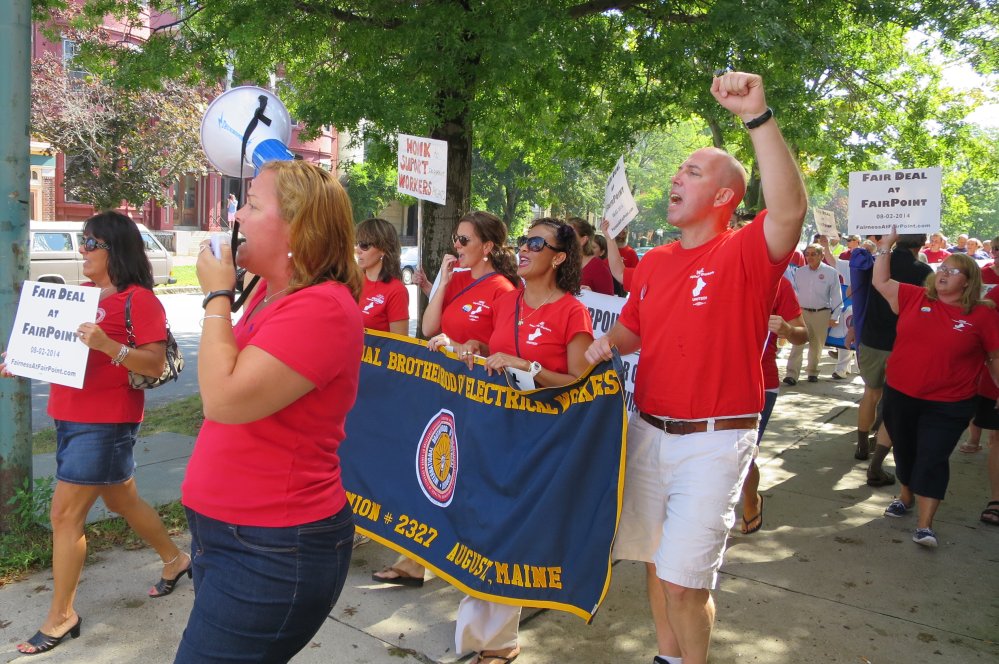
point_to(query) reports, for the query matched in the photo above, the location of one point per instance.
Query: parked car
(410, 260)
(641, 251)
(56, 257)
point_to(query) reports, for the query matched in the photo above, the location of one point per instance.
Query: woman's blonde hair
(321, 222)
(972, 293)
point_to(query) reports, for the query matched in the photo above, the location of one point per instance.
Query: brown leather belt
(683, 427)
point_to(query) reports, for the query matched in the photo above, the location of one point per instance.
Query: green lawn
(185, 275)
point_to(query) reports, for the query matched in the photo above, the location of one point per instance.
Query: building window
(70, 49)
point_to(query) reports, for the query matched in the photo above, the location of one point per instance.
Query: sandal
(401, 578)
(42, 642)
(990, 514)
(164, 586)
(758, 520)
(482, 658)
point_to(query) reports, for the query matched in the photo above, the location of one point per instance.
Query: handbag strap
(128, 323)
(470, 287)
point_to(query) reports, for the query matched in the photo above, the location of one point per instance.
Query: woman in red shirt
(97, 425)
(384, 298)
(271, 528)
(545, 331)
(925, 409)
(462, 309)
(595, 274)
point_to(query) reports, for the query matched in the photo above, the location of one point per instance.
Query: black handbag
(174, 358)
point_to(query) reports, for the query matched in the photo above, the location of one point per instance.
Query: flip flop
(990, 514)
(968, 448)
(400, 578)
(482, 657)
(749, 530)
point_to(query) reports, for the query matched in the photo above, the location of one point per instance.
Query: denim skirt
(95, 453)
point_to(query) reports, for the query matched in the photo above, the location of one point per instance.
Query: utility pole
(15, 104)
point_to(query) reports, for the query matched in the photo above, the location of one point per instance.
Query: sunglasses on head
(535, 244)
(364, 246)
(463, 240)
(92, 243)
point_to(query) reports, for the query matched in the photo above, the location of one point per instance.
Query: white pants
(483, 625)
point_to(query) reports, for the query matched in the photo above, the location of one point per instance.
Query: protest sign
(511, 496)
(619, 205)
(422, 168)
(604, 311)
(43, 344)
(908, 199)
(825, 222)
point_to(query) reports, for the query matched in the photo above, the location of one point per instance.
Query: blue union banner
(513, 497)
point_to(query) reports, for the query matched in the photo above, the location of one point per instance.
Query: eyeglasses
(535, 244)
(952, 271)
(364, 246)
(91, 243)
(463, 240)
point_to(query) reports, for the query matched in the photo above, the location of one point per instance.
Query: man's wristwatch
(535, 369)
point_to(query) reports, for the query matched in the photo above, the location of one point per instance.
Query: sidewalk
(827, 579)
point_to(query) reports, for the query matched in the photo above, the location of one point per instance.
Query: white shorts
(680, 494)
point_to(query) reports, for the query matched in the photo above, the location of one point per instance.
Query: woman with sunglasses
(596, 274)
(926, 410)
(545, 331)
(271, 528)
(97, 425)
(384, 299)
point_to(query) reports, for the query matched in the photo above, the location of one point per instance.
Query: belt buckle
(679, 427)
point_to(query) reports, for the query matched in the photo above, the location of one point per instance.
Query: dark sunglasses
(535, 244)
(463, 240)
(364, 246)
(91, 243)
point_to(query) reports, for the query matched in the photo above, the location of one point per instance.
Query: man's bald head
(729, 173)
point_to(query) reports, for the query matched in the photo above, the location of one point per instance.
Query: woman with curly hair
(926, 410)
(545, 331)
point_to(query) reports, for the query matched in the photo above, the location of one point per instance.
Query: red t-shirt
(989, 275)
(702, 317)
(383, 303)
(628, 255)
(106, 396)
(545, 335)
(986, 386)
(283, 469)
(468, 314)
(786, 306)
(597, 276)
(958, 343)
(935, 256)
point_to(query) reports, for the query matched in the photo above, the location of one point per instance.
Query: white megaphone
(229, 117)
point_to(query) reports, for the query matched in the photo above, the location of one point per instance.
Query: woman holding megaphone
(271, 529)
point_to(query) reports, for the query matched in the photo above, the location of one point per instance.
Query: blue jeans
(260, 594)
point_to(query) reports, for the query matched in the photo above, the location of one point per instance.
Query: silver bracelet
(120, 357)
(202, 323)
(882, 252)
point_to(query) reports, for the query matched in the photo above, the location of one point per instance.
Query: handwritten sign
(908, 199)
(43, 343)
(619, 205)
(825, 222)
(422, 168)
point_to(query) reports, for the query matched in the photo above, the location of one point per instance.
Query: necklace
(520, 321)
(268, 298)
(106, 288)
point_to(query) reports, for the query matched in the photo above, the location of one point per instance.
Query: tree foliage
(548, 83)
(120, 145)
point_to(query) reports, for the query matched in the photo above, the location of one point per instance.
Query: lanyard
(470, 287)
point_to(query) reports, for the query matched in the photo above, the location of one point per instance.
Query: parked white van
(56, 258)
